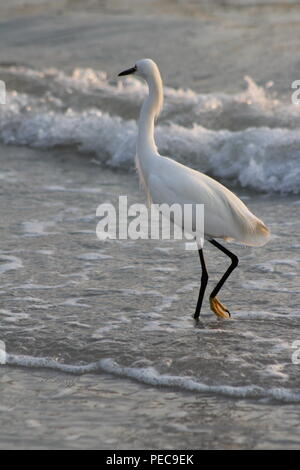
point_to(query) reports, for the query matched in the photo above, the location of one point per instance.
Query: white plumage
(167, 181)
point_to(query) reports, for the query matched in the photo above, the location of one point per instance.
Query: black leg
(204, 279)
(234, 263)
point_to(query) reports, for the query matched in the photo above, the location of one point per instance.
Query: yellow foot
(218, 308)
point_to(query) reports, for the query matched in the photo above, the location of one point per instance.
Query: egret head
(148, 70)
(143, 68)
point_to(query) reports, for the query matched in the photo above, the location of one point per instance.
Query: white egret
(167, 181)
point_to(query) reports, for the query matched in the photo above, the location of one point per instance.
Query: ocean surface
(102, 349)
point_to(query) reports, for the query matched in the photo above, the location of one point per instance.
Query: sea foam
(250, 138)
(150, 376)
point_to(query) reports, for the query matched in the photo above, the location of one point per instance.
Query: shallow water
(125, 308)
(102, 348)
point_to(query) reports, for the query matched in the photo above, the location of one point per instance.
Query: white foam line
(47, 363)
(151, 377)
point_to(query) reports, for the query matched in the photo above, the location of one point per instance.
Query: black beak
(127, 72)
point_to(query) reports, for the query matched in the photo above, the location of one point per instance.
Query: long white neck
(150, 109)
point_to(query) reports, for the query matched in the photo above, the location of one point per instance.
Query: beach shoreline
(121, 311)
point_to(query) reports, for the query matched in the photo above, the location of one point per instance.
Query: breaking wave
(250, 138)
